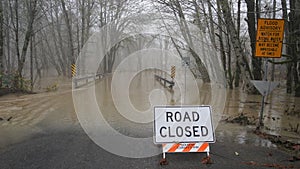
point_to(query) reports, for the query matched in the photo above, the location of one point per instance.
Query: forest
(40, 38)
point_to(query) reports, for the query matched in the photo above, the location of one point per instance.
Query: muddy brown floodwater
(25, 115)
(281, 112)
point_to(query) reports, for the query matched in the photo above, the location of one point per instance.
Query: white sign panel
(183, 124)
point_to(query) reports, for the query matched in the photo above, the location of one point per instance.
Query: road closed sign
(183, 124)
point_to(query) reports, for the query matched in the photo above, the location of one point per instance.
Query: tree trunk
(15, 11)
(82, 22)
(1, 44)
(287, 39)
(239, 18)
(7, 37)
(273, 65)
(238, 69)
(28, 34)
(256, 62)
(296, 50)
(230, 78)
(7, 34)
(31, 63)
(58, 44)
(209, 23)
(71, 57)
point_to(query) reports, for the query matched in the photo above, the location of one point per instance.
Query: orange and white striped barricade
(200, 147)
(185, 148)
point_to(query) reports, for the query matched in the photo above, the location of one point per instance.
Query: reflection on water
(280, 111)
(235, 133)
(144, 92)
(143, 84)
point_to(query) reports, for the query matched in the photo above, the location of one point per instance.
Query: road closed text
(184, 124)
(179, 131)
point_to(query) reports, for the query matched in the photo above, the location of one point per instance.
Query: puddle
(235, 133)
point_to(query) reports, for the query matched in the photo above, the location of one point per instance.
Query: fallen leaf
(206, 160)
(296, 147)
(251, 163)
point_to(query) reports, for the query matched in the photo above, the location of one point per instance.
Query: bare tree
(256, 62)
(30, 9)
(235, 40)
(112, 11)
(70, 53)
(179, 15)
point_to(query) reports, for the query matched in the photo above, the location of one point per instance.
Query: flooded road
(30, 113)
(49, 121)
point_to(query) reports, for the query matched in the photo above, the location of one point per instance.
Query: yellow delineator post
(73, 69)
(173, 69)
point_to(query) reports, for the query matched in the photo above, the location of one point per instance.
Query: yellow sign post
(73, 69)
(269, 38)
(173, 68)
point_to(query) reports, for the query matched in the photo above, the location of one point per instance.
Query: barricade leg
(163, 161)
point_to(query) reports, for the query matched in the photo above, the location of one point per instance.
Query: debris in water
(278, 140)
(9, 118)
(242, 120)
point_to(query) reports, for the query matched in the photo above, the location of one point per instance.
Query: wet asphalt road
(72, 148)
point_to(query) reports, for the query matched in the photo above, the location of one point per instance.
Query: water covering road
(44, 133)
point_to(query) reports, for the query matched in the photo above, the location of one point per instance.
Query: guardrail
(81, 81)
(164, 81)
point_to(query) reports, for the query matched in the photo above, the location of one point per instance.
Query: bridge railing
(81, 81)
(164, 81)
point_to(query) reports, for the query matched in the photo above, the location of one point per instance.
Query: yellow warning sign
(269, 38)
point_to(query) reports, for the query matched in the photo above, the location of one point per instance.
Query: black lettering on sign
(179, 131)
(204, 131)
(188, 132)
(186, 117)
(170, 134)
(271, 22)
(196, 116)
(177, 116)
(195, 131)
(169, 116)
(161, 131)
